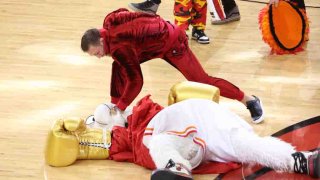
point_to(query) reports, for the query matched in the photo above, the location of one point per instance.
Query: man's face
(97, 50)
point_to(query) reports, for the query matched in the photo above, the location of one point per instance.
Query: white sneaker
(200, 36)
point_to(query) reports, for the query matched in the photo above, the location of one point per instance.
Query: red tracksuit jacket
(131, 42)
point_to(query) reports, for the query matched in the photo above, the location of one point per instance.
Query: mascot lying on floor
(193, 135)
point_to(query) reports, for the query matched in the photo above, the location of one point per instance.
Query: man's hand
(275, 2)
(115, 110)
(118, 116)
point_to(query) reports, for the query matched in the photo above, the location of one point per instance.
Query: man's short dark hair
(90, 37)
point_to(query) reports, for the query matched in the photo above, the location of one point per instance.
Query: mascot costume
(192, 135)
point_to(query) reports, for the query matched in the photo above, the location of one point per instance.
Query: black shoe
(146, 7)
(200, 36)
(307, 163)
(234, 15)
(256, 110)
(172, 171)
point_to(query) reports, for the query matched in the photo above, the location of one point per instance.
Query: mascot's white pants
(249, 148)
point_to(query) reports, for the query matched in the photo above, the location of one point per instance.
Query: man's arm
(118, 82)
(131, 76)
(275, 2)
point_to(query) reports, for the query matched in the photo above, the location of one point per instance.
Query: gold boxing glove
(188, 89)
(70, 139)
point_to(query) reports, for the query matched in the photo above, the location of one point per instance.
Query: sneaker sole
(225, 21)
(139, 10)
(316, 162)
(201, 42)
(262, 117)
(313, 164)
(167, 175)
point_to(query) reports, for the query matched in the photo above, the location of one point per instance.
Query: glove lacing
(104, 144)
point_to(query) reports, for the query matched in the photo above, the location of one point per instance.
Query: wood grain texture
(45, 76)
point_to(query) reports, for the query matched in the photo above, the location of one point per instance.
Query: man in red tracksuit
(132, 38)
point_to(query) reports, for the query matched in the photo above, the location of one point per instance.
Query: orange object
(284, 28)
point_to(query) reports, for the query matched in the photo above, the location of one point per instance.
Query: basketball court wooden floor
(45, 76)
